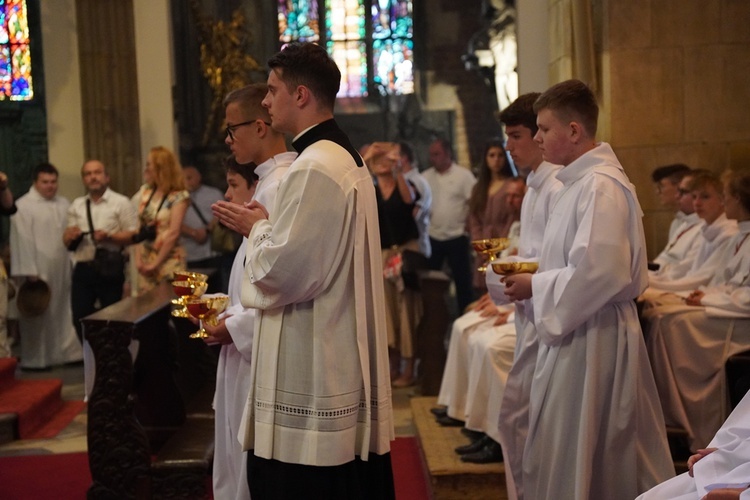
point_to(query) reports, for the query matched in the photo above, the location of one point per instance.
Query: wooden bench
(432, 330)
(150, 423)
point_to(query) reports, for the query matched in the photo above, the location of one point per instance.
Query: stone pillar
(109, 89)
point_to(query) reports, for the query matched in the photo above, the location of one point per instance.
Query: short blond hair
(571, 100)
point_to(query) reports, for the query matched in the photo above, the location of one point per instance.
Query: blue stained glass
(15, 55)
(21, 67)
(391, 19)
(298, 21)
(347, 30)
(4, 71)
(394, 65)
(4, 37)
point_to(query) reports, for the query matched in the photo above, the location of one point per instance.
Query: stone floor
(73, 438)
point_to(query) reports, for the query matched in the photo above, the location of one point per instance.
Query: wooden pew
(135, 409)
(432, 330)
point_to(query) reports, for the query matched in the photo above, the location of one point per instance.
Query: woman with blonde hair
(161, 208)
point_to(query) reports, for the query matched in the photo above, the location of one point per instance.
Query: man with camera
(100, 224)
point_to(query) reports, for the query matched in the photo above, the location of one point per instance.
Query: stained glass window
(298, 21)
(393, 46)
(370, 40)
(346, 42)
(15, 55)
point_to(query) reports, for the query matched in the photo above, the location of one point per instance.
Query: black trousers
(87, 288)
(457, 253)
(356, 480)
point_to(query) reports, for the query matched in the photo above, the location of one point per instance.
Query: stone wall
(674, 85)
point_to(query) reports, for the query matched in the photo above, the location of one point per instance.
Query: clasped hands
(239, 218)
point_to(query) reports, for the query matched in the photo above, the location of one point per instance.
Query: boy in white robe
(690, 342)
(318, 417)
(681, 246)
(37, 253)
(721, 468)
(715, 233)
(666, 179)
(253, 145)
(595, 424)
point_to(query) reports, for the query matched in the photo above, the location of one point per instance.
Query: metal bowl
(507, 268)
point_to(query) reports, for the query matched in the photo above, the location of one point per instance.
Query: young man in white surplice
(593, 405)
(259, 153)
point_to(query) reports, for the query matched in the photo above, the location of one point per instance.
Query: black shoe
(491, 453)
(447, 421)
(439, 411)
(474, 446)
(473, 435)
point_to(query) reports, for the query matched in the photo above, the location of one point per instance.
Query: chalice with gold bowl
(490, 247)
(206, 308)
(185, 289)
(508, 267)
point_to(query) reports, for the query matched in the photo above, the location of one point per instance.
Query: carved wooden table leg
(119, 454)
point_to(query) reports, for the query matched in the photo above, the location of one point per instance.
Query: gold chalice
(189, 276)
(506, 268)
(206, 309)
(185, 290)
(185, 275)
(490, 247)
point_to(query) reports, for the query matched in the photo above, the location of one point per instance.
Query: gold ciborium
(507, 268)
(490, 247)
(186, 290)
(206, 309)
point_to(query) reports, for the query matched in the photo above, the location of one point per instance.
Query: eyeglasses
(230, 129)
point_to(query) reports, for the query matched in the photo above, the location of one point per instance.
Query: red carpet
(63, 477)
(67, 476)
(409, 473)
(41, 411)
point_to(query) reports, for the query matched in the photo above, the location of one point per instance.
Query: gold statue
(224, 61)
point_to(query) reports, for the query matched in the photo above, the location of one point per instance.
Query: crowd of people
(569, 375)
(603, 355)
(76, 258)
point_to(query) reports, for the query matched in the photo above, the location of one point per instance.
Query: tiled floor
(73, 438)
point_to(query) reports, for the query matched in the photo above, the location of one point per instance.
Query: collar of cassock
(327, 131)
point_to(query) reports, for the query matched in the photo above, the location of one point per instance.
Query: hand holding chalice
(516, 274)
(206, 308)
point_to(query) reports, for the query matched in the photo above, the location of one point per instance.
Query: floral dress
(149, 211)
